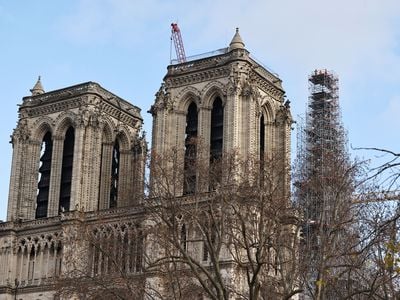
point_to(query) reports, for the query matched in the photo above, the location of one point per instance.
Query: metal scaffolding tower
(321, 188)
(321, 142)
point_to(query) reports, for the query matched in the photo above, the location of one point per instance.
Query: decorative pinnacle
(237, 42)
(37, 88)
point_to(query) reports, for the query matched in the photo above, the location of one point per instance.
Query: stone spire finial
(237, 42)
(38, 88)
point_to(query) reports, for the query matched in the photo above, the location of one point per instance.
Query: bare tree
(103, 258)
(351, 244)
(235, 234)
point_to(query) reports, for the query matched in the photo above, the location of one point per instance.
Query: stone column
(105, 177)
(180, 148)
(95, 168)
(28, 259)
(124, 179)
(270, 140)
(28, 207)
(47, 261)
(137, 171)
(86, 171)
(253, 133)
(3, 272)
(77, 168)
(21, 265)
(55, 176)
(36, 266)
(41, 263)
(230, 125)
(203, 154)
(15, 178)
(158, 141)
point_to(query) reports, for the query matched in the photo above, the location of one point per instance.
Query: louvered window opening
(115, 175)
(42, 199)
(66, 171)
(190, 150)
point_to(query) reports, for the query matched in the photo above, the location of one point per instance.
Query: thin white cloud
(359, 39)
(353, 37)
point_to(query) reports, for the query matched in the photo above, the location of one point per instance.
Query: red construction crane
(176, 36)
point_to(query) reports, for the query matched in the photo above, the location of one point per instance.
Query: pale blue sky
(124, 45)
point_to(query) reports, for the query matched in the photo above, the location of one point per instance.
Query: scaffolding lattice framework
(321, 140)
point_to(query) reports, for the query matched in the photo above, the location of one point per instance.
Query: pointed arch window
(262, 148)
(262, 136)
(66, 171)
(217, 130)
(42, 199)
(114, 175)
(190, 150)
(216, 142)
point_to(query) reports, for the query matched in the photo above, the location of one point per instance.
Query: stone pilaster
(270, 133)
(55, 176)
(86, 167)
(244, 125)
(76, 188)
(105, 181)
(15, 179)
(7, 266)
(253, 123)
(179, 149)
(28, 203)
(94, 156)
(125, 179)
(229, 121)
(204, 145)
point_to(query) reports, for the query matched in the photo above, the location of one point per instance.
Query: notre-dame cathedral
(79, 158)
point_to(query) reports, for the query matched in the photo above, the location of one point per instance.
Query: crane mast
(177, 37)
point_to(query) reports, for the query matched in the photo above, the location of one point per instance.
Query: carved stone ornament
(247, 90)
(163, 100)
(283, 115)
(232, 89)
(89, 117)
(21, 132)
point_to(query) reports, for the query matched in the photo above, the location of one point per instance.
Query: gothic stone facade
(78, 158)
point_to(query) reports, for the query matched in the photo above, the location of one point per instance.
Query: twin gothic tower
(76, 148)
(227, 103)
(80, 149)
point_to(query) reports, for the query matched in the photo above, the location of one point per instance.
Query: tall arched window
(66, 171)
(262, 149)
(217, 130)
(114, 175)
(189, 185)
(42, 198)
(216, 142)
(262, 137)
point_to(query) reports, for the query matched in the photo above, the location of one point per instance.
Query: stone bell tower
(226, 101)
(77, 148)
